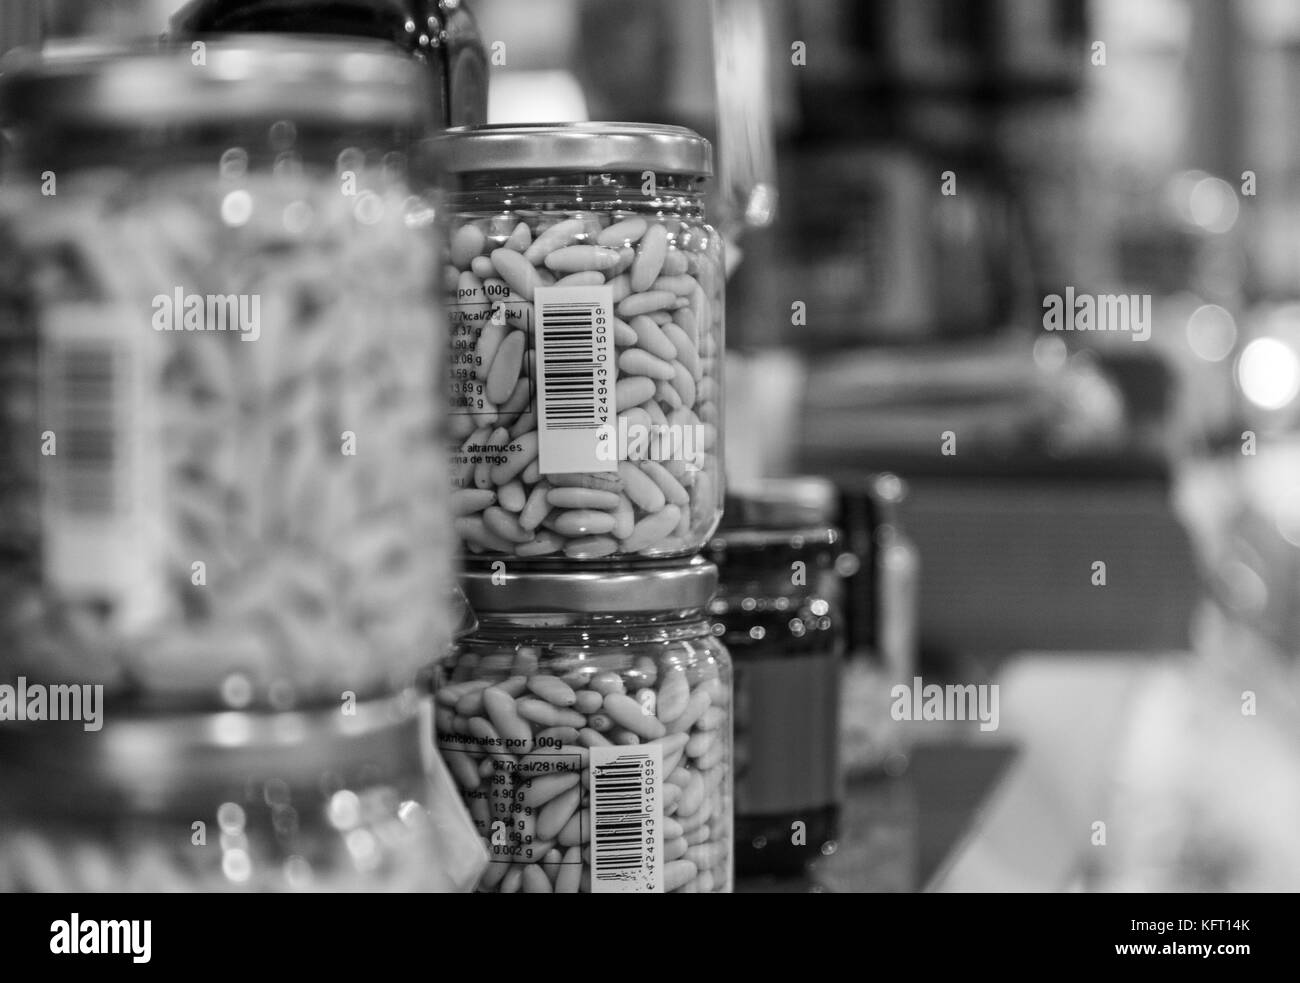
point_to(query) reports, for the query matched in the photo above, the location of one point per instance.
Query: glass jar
(233, 801)
(585, 307)
(439, 34)
(883, 600)
(588, 723)
(780, 608)
(221, 477)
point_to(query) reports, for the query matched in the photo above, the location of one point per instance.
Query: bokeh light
(1269, 373)
(237, 208)
(1213, 205)
(1211, 332)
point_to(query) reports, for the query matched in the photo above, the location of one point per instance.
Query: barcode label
(575, 380)
(627, 819)
(102, 516)
(84, 386)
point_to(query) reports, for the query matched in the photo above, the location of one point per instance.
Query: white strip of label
(627, 819)
(575, 380)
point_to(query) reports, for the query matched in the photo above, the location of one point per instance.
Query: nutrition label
(552, 801)
(525, 805)
(480, 332)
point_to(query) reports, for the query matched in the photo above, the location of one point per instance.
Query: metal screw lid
(591, 147)
(668, 587)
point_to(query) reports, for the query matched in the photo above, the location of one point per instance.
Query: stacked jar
(585, 305)
(587, 721)
(223, 533)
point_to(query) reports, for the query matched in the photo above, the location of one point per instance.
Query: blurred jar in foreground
(780, 609)
(586, 341)
(294, 801)
(587, 721)
(221, 482)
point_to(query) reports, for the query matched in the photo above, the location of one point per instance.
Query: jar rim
(243, 78)
(595, 147)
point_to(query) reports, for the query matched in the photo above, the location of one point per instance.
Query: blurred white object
(1267, 368)
(1208, 796)
(1269, 372)
(459, 857)
(536, 97)
(764, 394)
(746, 157)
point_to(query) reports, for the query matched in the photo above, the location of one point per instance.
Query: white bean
(649, 258)
(622, 233)
(467, 243)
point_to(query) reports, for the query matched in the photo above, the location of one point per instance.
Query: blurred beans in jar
(220, 478)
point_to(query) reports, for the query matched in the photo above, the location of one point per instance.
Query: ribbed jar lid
(591, 147)
(669, 587)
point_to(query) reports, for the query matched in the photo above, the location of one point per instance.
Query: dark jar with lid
(779, 608)
(441, 34)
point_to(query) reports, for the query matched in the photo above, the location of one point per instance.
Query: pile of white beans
(516, 738)
(666, 279)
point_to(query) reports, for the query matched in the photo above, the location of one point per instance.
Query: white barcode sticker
(627, 819)
(101, 495)
(575, 380)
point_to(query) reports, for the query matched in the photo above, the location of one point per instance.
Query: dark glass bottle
(779, 608)
(440, 33)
